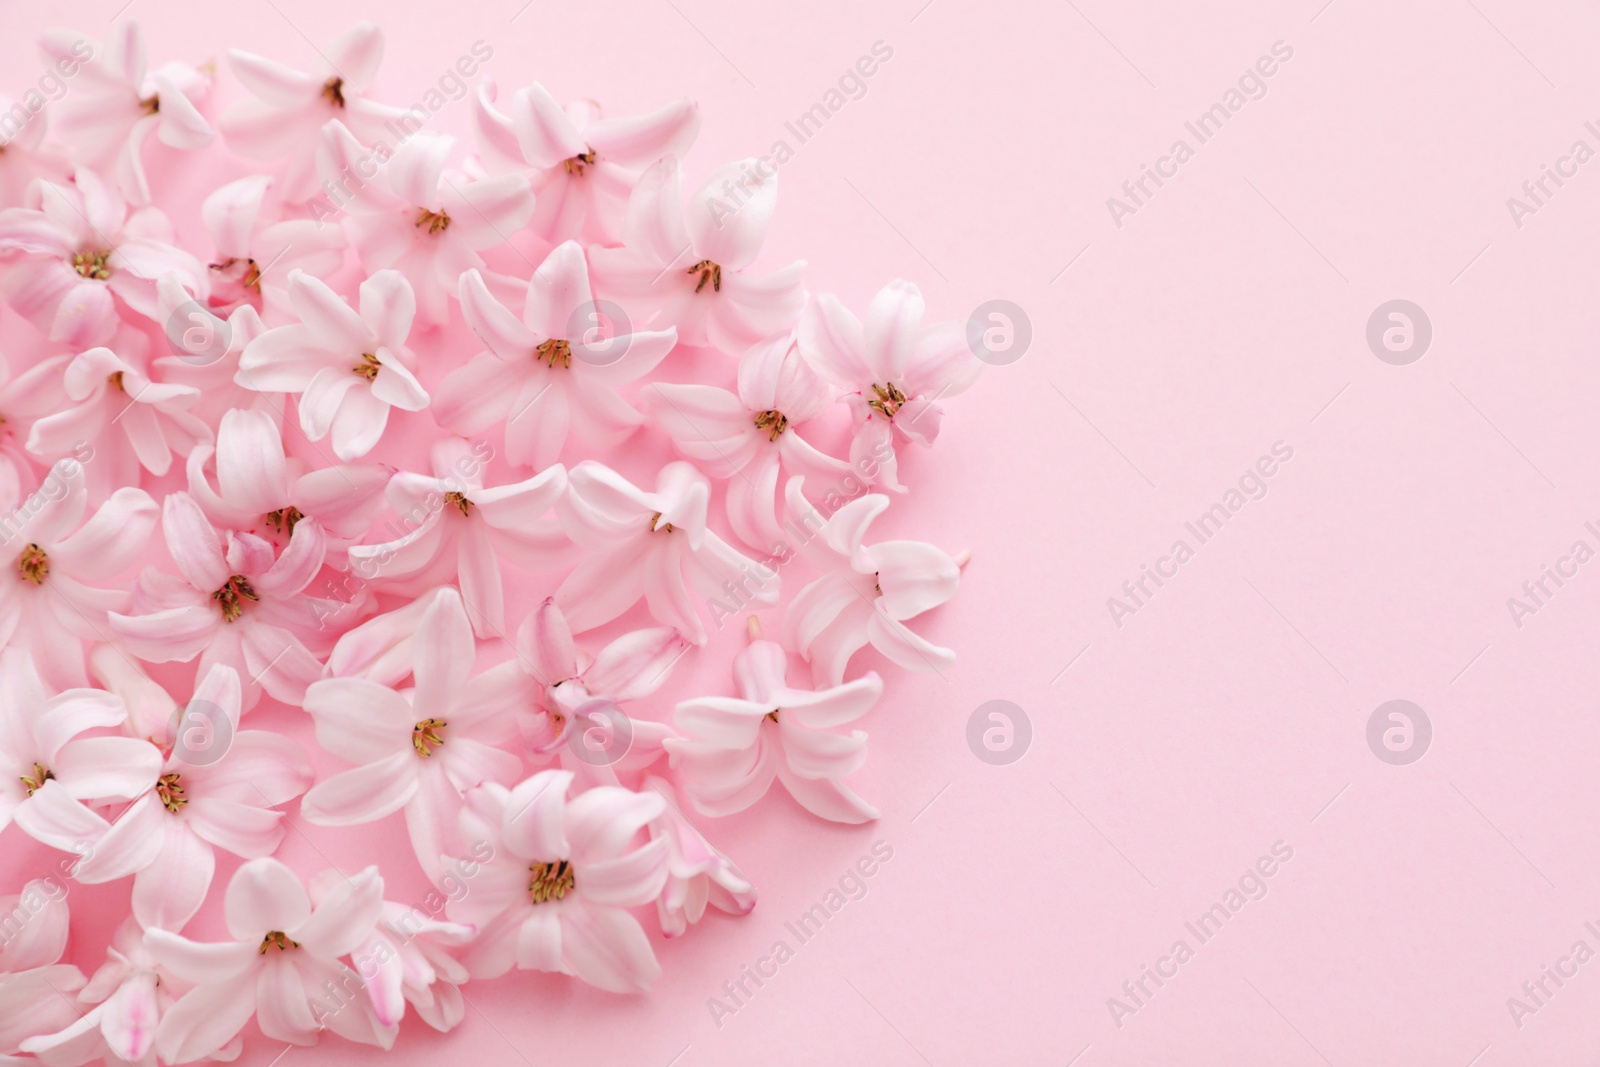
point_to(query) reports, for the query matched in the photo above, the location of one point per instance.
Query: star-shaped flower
(547, 377)
(894, 370)
(686, 267)
(583, 166)
(348, 368)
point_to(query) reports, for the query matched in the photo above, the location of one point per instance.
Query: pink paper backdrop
(1228, 713)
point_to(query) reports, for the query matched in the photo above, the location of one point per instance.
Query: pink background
(1230, 712)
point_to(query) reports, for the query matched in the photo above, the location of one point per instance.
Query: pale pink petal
(264, 895)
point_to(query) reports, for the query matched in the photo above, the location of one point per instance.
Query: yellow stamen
(36, 781)
(33, 564)
(576, 164)
(231, 597)
(150, 105)
(890, 399)
(368, 367)
(774, 422)
(333, 91)
(425, 735)
(280, 939)
(92, 264)
(551, 881)
(170, 792)
(665, 527)
(283, 519)
(462, 504)
(709, 272)
(436, 221)
(553, 350)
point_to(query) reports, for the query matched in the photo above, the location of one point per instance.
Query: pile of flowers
(189, 492)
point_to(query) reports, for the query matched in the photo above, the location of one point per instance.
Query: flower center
(249, 274)
(425, 735)
(333, 91)
(150, 105)
(283, 519)
(462, 504)
(34, 782)
(282, 940)
(231, 597)
(774, 422)
(367, 368)
(576, 164)
(33, 564)
(435, 222)
(170, 792)
(551, 881)
(709, 272)
(772, 716)
(115, 380)
(92, 264)
(665, 527)
(553, 350)
(890, 399)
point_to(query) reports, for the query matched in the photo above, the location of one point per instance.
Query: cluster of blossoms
(189, 491)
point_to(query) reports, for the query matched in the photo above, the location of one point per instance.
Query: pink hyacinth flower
(697, 874)
(58, 561)
(651, 546)
(234, 601)
(415, 750)
(75, 256)
(348, 368)
(255, 254)
(893, 369)
(290, 107)
(409, 213)
(219, 788)
(751, 438)
(547, 377)
(555, 896)
(117, 102)
(582, 166)
(452, 526)
(735, 747)
(55, 764)
(865, 592)
(686, 267)
(279, 967)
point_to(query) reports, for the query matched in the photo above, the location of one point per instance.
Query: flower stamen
(551, 881)
(33, 783)
(231, 597)
(576, 164)
(250, 276)
(665, 527)
(890, 399)
(553, 350)
(774, 422)
(436, 221)
(333, 91)
(33, 564)
(367, 368)
(460, 501)
(150, 105)
(772, 716)
(425, 735)
(709, 272)
(283, 519)
(169, 790)
(280, 939)
(94, 265)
